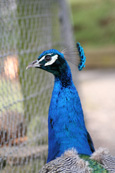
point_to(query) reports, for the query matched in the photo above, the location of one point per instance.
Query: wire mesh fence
(26, 29)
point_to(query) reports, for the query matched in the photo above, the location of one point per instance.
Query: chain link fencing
(26, 29)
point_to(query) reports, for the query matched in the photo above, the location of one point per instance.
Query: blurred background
(26, 29)
(94, 28)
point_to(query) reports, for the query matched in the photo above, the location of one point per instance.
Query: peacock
(70, 146)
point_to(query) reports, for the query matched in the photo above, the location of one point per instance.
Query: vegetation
(94, 28)
(94, 22)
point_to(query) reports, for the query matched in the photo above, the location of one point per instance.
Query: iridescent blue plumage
(53, 51)
(66, 126)
(82, 57)
(65, 121)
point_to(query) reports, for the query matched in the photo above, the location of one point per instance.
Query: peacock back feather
(96, 166)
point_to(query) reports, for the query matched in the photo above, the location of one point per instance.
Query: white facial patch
(41, 59)
(53, 59)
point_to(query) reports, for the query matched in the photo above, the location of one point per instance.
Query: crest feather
(71, 52)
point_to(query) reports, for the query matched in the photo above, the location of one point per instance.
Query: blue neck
(66, 127)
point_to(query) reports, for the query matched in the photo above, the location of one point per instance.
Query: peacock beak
(33, 64)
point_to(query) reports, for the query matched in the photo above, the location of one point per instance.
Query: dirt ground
(97, 92)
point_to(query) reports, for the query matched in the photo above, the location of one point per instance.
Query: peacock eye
(47, 57)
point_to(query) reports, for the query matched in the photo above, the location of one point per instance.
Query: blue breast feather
(66, 121)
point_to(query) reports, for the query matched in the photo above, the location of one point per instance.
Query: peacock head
(52, 61)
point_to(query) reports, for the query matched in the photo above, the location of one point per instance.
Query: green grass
(94, 22)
